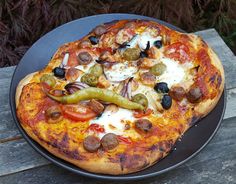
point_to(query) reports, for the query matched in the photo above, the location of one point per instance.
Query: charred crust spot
(74, 154)
(212, 79)
(122, 161)
(219, 80)
(154, 147)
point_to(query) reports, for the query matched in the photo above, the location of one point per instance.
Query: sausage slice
(194, 95)
(109, 141)
(84, 58)
(143, 124)
(91, 143)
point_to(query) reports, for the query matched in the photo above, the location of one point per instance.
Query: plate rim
(83, 172)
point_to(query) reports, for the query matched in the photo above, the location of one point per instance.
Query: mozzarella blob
(174, 73)
(119, 72)
(114, 122)
(142, 40)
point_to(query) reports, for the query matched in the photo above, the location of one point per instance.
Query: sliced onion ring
(75, 86)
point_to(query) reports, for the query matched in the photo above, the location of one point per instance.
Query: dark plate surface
(39, 55)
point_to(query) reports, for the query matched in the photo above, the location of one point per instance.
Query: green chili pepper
(99, 94)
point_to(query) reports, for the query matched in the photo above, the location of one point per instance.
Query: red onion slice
(126, 90)
(75, 86)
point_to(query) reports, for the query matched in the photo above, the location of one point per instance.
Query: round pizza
(117, 100)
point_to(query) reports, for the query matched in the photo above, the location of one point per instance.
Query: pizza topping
(109, 141)
(59, 72)
(146, 38)
(96, 70)
(173, 74)
(178, 51)
(143, 124)
(78, 112)
(91, 143)
(126, 89)
(177, 93)
(166, 101)
(124, 35)
(93, 39)
(166, 39)
(100, 30)
(131, 54)
(48, 80)
(119, 72)
(148, 78)
(107, 57)
(145, 63)
(85, 44)
(161, 87)
(125, 140)
(143, 54)
(141, 99)
(72, 74)
(142, 113)
(75, 86)
(96, 128)
(103, 82)
(158, 44)
(84, 58)
(99, 94)
(158, 69)
(53, 114)
(96, 106)
(57, 92)
(65, 60)
(113, 120)
(89, 79)
(194, 94)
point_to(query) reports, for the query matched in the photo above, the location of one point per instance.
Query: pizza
(117, 100)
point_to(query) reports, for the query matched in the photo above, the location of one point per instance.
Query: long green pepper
(99, 94)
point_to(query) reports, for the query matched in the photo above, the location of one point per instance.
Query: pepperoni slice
(178, 51)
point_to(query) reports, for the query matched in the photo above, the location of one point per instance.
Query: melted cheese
(145, 38)
(120, 72)
(174, 73)
(85, 68)
(142, 40)
(114, 122)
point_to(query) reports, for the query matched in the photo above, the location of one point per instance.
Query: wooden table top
(216, 163)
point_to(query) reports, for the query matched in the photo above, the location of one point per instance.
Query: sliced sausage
(194, 94)
(96, 106)
(148, 78)
(72, 74)
(85, 44)
(109, 141)
(91, 143)
(177, 93)
(100, 30)
(143, 124)
(84, 58)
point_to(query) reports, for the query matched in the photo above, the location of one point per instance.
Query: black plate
(40, 53)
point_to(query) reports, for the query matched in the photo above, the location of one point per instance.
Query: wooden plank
(230, 110)
(17, 155)
(215, 164)
(7, 72)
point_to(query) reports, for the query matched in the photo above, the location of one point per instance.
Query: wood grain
(216, 163)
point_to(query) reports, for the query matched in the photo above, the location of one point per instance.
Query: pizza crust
(205, 107)
(26, 80)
